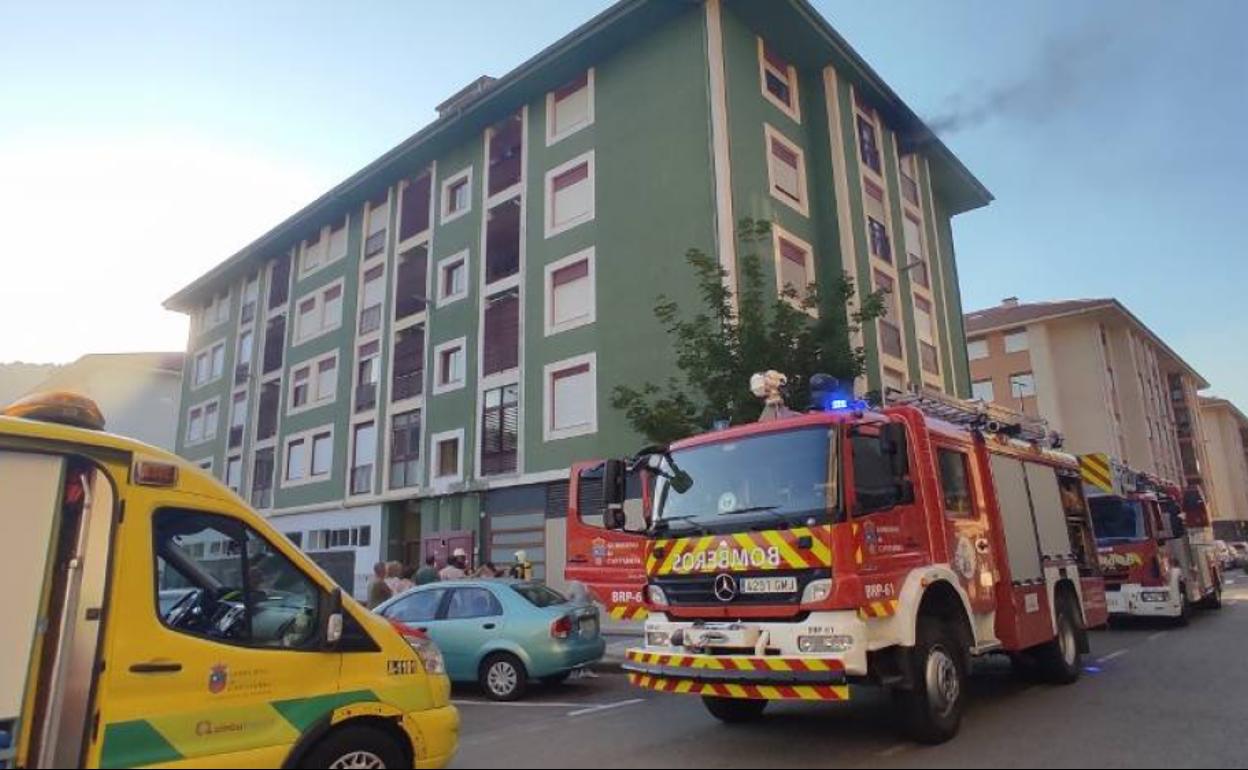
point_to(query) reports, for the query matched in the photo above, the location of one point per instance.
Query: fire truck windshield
(778, 479)
(1118, 520)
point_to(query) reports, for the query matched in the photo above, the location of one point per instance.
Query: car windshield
(539, 595)
(782, 477)
(1116, 519)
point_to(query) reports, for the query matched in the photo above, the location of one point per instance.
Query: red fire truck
(788, 559)
(1155, 542)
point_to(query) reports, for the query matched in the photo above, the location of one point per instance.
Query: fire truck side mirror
(614, 484)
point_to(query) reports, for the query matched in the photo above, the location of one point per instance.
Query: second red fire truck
(788, 559)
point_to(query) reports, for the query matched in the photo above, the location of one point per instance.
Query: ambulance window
(955, 483)
(217, 578)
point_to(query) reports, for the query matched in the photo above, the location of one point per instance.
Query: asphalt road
(1153, 696)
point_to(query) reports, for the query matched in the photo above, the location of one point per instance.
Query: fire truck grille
(700, 589)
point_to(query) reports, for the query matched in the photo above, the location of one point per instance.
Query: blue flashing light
(840, 403)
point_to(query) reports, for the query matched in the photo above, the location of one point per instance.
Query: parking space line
(1156, 636)
(605, 707)
(517, 704)
(1112, 656)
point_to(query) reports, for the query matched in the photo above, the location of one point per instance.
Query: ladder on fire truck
(976, 415)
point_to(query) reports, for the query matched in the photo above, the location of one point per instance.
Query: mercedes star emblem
(725, 588)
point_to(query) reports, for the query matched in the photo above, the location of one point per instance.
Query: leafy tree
(718, 347)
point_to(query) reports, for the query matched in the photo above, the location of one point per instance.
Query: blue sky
(141, 143)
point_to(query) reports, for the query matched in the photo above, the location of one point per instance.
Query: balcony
(408, 384)
(365, 396)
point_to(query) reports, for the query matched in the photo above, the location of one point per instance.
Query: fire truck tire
(1214, 600)
(734, 710)
(932, 708)
(1060, 661)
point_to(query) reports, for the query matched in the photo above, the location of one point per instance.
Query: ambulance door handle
(155, 667)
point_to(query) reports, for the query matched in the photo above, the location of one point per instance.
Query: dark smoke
(1062, 73)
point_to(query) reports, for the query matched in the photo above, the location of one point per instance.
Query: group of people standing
(393, 578)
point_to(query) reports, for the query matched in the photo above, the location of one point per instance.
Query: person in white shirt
(456, 567)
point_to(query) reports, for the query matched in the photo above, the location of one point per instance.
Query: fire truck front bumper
(1144, 601)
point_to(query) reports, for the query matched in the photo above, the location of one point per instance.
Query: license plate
(769, 585)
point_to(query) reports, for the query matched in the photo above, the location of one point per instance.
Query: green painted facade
(652, 139)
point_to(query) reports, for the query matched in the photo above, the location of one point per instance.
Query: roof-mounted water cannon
(769, 386)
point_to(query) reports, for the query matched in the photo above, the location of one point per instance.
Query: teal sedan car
(502, 634)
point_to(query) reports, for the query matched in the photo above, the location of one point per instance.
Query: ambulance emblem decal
(218, 678)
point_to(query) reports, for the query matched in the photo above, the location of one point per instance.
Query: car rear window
(539, 595)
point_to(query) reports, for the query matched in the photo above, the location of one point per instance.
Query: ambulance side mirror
(331, 633)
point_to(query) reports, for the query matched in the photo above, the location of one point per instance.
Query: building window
(929, 357)
(322, 454)
(1016, 342)
(405, 449)
(909, 187)
(238, 419)
(453, 278)
(309, 456)
(373, 295)
(923, 322)
(262, 479)
(786, 171)
(409, 363)
(251, 297)
(500, 426)
(571, 398)
(795, 268)
(506, 148)
(410, 294)
(327, 245)
(296, 459)
(266, 416)
(457, 195)
(242, 358)
(779, 81)
(448, 456)
(363, 458)
(570, 292)
(201, 422)
(502, 241)
(209, 364)
(500, 337)
(981, 390)
(274, 344)
(890, 327)
(414, 203)
(234, 474)
(977, 350)
(570, 107)
(319, 312)
(570, 194)
(894, 380)
(378, 226)
(367, 375)
(1022, 385)
(450, 364)
(279, 282)
(914, 249)
(868, 144)
(215, 313)
(880, 244)
(314, 383)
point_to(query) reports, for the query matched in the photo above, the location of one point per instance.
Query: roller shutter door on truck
(1046, 501)
(1022, 545)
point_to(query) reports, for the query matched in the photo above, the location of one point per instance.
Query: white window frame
(208, 351)
(307, 437)
(553, 138)
(460, 257)
(551, 229)
(779, 234)
(1029, 374)
(802, 206)
(974, 345)
(1015, 334)
(316, 399)
(436, 481)
(438, 387)
(205, 436)
(444, 201)
(353, 450)
(328, 257)
(992, 392)
(317, 294)
(794, 111)
(586, 255)
(210, 316)
(549, 432)
(225, 474)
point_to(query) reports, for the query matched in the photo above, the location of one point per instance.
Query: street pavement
(1153, 696)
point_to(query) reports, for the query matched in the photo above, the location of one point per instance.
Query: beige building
(1226, 429)
(1099, 376)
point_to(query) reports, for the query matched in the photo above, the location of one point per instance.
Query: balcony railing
(262, 497)
(370, 319)
(409, 384)
(375, 244)
(362, 480)
(365, 396)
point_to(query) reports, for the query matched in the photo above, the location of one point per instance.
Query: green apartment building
(412, 362)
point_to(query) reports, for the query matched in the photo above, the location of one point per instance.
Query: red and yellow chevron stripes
(776, 549)
(806, 692)
(1095, 469)
(884, 609)
(628, 612)
(735, 662)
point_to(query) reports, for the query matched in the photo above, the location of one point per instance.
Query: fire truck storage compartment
(30, 486)
(1010, 480)
(1046, 502)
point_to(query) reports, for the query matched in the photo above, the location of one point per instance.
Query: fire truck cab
(1155, 542)
(790, 558)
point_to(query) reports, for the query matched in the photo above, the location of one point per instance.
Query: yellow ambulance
(152, 619)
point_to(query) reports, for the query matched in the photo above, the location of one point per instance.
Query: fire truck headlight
(824, 644)
(658, 639)
(656, 596)
(1155, 596)
(817, 591)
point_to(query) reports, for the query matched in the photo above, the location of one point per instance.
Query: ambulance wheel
(932, 708)
(1060, 660)
(734, 710)
(503, 677)
(353, 746)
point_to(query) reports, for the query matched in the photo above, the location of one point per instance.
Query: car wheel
(503, 677)
(356, 747)
(734, 710)
(932, 708)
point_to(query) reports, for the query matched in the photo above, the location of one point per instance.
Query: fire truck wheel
(1060, 661)
(1214, 600)
(932, 709)
(734, 710)
(503, 677)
